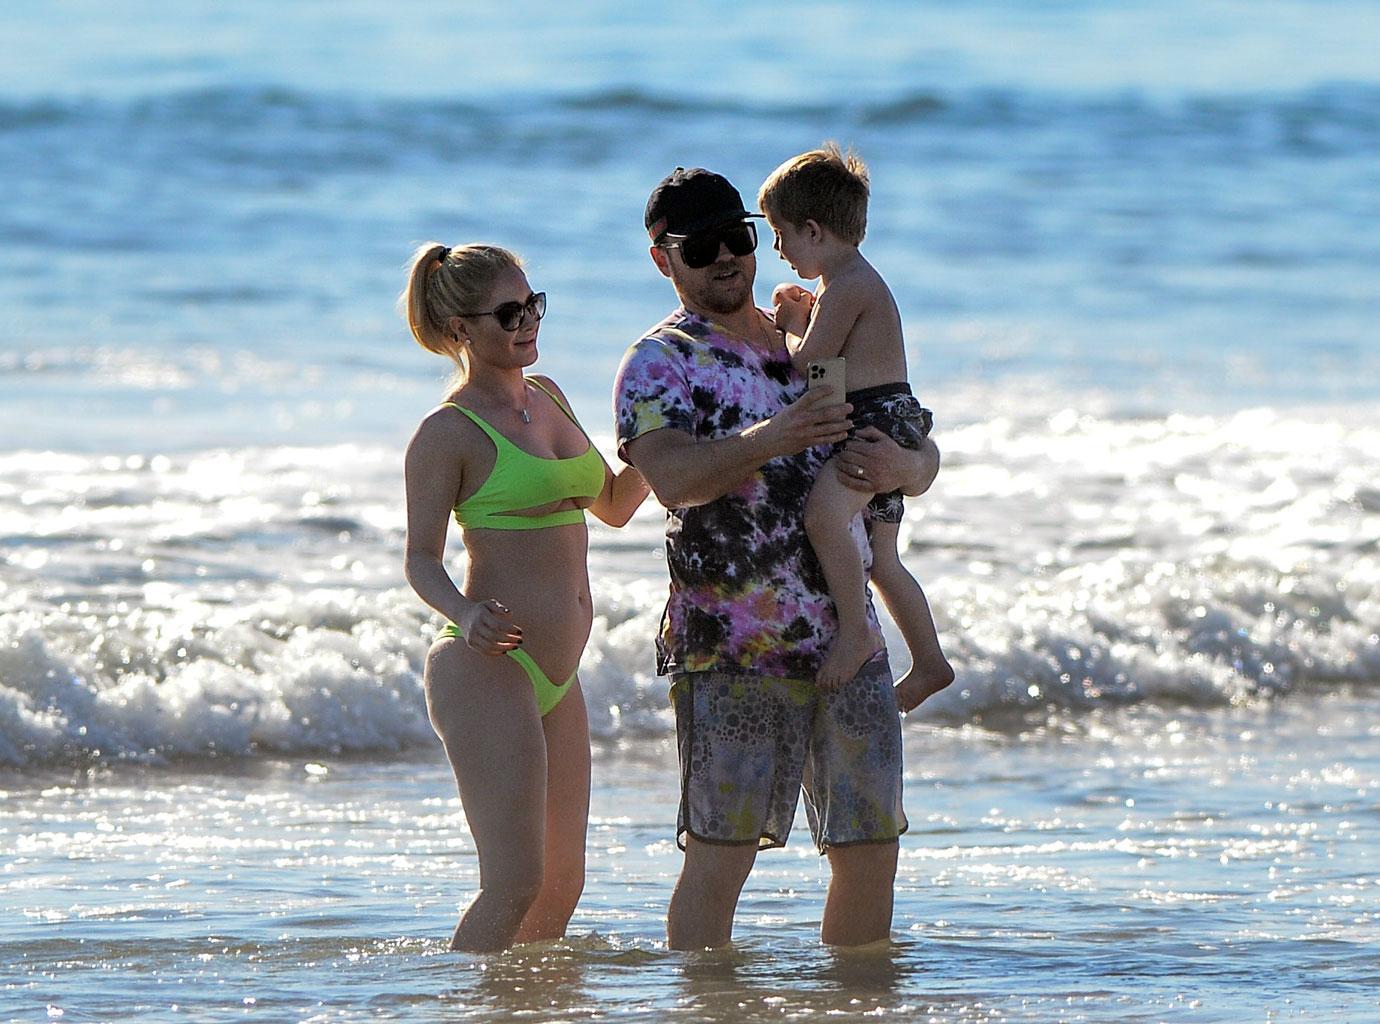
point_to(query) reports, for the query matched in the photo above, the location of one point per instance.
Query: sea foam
(224, 602)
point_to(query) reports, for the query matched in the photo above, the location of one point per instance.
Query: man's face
(723, 287)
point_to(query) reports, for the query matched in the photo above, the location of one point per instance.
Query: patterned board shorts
(893, 410)
(748, 744)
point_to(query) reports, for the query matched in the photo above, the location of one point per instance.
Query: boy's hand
(792, 304)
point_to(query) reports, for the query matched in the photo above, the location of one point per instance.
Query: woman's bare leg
(567, 819)
(483, 709)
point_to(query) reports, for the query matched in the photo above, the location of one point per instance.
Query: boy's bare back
(852, 314)
(873, 345)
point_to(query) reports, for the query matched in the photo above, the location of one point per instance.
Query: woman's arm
(623, 493)
(433, 471)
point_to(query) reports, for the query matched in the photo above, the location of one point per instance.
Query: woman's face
(489, 342)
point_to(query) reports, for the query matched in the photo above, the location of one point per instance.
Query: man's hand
(875, 463)
(817, 417)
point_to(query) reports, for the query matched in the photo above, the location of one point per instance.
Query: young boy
(816, 205)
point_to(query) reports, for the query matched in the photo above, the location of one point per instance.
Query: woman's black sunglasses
(510, 315)
(702, 248)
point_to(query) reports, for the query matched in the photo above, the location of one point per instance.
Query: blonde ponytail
(444, 283)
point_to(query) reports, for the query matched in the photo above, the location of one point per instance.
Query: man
(711, 412)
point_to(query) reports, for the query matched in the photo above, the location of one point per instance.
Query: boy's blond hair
(826, 186)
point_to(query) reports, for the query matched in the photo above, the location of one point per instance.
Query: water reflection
(539, 981)
(877, 970)
(750, 981)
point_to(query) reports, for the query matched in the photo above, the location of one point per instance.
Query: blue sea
(1136, 248)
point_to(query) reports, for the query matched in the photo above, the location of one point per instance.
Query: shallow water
(1122, 867)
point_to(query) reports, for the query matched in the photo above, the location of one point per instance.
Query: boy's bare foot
(926, 678)
(850, 651)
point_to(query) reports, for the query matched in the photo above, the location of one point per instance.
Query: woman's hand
(489, 628)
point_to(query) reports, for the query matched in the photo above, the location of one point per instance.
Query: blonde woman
(505, 455)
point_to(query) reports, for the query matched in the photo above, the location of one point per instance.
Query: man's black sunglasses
(510, 315)
(702, 248)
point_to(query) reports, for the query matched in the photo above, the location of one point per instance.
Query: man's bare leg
(705, 897)
(861, 893)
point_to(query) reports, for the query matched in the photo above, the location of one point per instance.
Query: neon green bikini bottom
(548, 694)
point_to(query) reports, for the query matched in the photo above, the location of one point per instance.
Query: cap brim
(714, 220)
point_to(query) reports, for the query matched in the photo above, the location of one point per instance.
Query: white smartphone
(827, 372)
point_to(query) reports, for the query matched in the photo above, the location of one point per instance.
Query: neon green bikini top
(522, 480)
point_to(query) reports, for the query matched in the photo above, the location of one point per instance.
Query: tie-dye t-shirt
(747, 593)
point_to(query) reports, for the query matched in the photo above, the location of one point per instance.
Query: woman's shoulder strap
(555, 396)
(478, 421)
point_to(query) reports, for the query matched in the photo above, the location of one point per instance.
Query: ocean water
(1135, 249)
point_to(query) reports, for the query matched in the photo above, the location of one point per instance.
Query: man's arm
(684, 472)
(874, 462)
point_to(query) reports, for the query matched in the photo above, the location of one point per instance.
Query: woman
(505, 455)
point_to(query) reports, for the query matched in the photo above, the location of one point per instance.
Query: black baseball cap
(692, 200)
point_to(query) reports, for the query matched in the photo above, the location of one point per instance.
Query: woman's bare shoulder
(444, 431)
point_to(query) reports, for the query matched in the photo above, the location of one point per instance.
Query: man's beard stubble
(727, 297)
